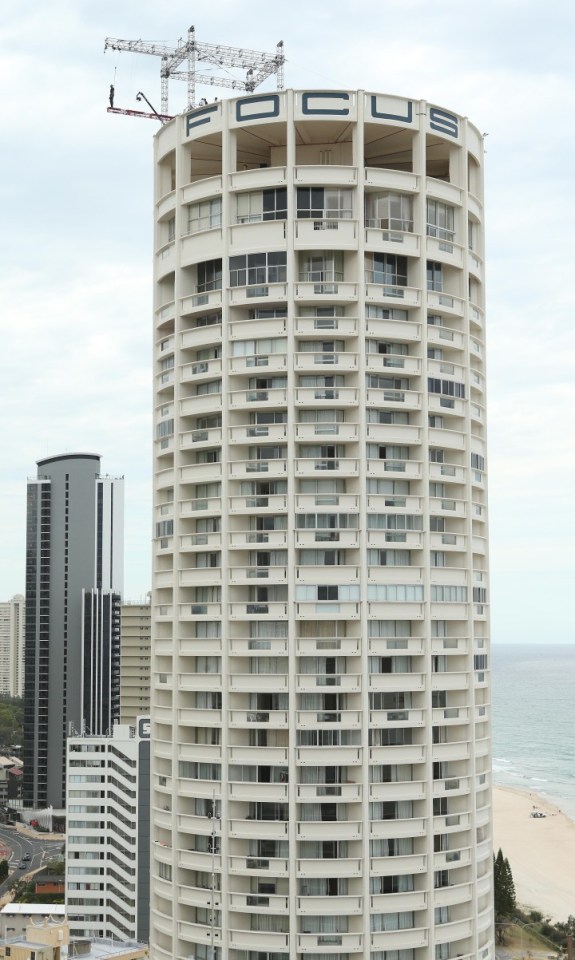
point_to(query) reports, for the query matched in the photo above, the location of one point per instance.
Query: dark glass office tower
(74, 574)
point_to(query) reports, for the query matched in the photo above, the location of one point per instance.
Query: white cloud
(76, 192)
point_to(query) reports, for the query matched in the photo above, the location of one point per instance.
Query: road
(15, 846)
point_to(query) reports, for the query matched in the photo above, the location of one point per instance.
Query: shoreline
(540, 850)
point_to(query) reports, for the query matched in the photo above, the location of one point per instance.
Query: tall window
(261, 205)
(434, 276)
(325, 265)
(389, 211)
(440, 220)
(209, 276)
(255, 268)
(322, 203)
(387, 268)
(205, 215)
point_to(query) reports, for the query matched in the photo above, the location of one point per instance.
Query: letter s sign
(443, 122)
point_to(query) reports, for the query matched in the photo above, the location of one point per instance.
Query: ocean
(534, 720)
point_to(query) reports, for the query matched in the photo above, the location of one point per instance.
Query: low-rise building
(108, 834)
(51, 940)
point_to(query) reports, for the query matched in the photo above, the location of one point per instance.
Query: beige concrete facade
(320, 677)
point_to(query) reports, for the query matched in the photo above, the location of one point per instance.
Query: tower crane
(258, 66)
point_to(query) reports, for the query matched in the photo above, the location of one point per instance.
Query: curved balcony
(413, 827)
(451, 787)
(382, 362)
(246, 539)
(258, 503)
(257, 235)
(192, 543)
(201, 336)
(247, 575)
(389, 294)
(194, 611)
(325, 610)
(328, 719)
(202, 505)
(246, 433)
(259, 719)
(256, 398)
(342, 867)
(201, 245)
(331, 942)
(245, 364)
(325, 396)
(201, 370)
(398, 180)
(242, 469)
(408, 539)
(201, 473)
(325, 175)
(312, 326)
(263, 941)
(412, 938)
(255, 791)
(248, 647)
(443, 249)
(338, 233)
(258, 683)
(273, 610)
(259, 866)
(255, 902)
(400, 753)
(344, 682)
(201, 403)
(380, 237)
(210, 436)
(397, 682)
(327, 906)
(309, 361)
(324, 291)
(199, 302)
(400, 469)
(258, 178)
(324, 573)
(346, 646)
(258, 294)
(403, 331)
(312, 466)
(339, 792)
(393, 399)
(318, 756)
(329, 830)
(398, 790)
(258, 829)
(345, 501)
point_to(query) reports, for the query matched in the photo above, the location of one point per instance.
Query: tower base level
(321, 689)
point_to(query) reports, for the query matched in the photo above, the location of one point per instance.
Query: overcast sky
(75, 266)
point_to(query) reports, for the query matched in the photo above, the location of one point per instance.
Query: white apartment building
(12, 623)
(320, 681)
(108, 835)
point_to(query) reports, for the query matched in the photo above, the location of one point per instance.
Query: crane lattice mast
(259, 66)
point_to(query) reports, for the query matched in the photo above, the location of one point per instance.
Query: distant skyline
(75, 283)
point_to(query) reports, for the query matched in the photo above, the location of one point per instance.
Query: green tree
(11, 719)
(505, 901)
(3, 870)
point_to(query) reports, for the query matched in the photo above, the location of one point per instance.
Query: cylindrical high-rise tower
(321, 714)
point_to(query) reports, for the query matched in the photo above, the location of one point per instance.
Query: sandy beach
(541, 851)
